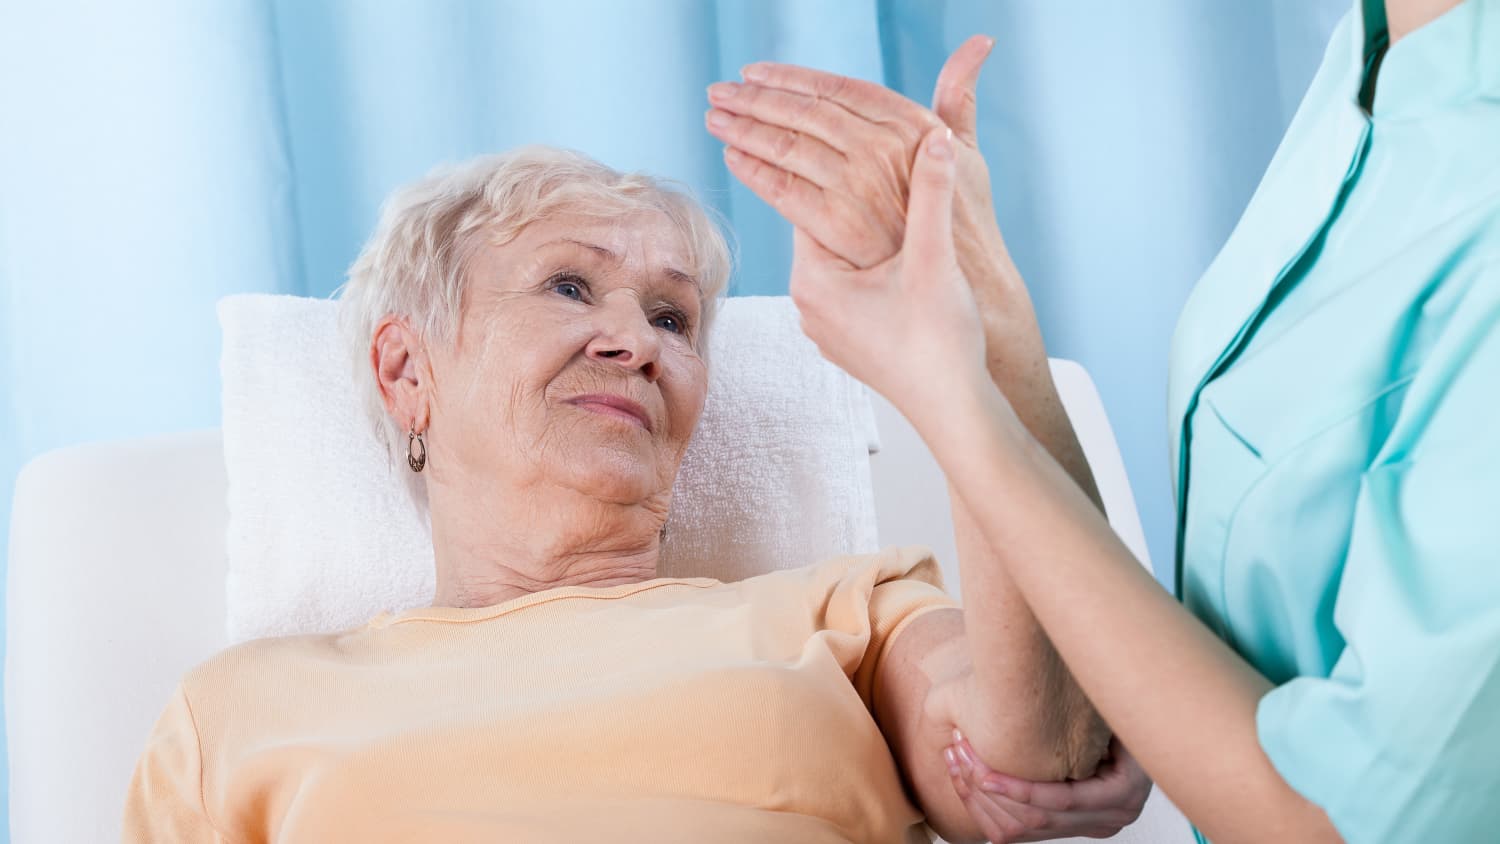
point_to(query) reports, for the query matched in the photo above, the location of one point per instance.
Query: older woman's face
(576, 361)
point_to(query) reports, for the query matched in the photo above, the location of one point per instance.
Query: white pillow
(322, 535)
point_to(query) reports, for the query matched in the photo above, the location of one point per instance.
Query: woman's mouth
(618, 407)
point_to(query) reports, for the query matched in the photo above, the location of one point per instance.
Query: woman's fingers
(872, 102)
(953, 101)
(801, 202)
(804, 155)
(954, 97)
(845, 229)
(807, 115)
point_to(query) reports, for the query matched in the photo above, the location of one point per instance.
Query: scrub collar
(1446, 63)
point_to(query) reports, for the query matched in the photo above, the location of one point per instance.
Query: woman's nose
(626, 338)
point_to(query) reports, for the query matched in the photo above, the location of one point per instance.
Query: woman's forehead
(643, 242)
(648, 235)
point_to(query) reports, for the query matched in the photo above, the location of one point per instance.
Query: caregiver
(1332, 670)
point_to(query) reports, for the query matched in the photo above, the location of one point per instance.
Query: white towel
(322, 535)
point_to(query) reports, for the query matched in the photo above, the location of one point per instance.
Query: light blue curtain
(156, 155)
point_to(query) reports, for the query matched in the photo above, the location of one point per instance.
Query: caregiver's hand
(833, 155)
(1010, 809)
(907, 326)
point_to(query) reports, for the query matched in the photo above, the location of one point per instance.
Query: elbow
(1085, 744)
(1064, 740)
(1070, 754)
(1079, 734)
(1033, 755)
(1078, 731)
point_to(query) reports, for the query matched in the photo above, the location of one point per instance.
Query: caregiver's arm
(1178, 697)
(1181, 699)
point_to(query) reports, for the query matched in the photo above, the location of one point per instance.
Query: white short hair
(415, 264)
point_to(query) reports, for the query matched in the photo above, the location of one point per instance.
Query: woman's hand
(833, 155)
(1008, 809)
(907, 326)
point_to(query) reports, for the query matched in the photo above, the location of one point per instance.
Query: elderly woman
(531, 329)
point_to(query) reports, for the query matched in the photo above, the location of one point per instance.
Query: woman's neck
(491, 548)
(1403, 17)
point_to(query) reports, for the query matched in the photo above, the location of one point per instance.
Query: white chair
(116, 587)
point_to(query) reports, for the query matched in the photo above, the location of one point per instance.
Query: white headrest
(322, 534)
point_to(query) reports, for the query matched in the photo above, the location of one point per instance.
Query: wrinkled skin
(546, 319)
(525, 347)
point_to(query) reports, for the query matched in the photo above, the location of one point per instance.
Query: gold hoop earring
(417, 461)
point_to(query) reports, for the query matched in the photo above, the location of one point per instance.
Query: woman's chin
(611, 472)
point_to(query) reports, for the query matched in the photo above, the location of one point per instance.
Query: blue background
(157, 155)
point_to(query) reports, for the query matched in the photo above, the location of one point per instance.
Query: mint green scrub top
(1335, 423)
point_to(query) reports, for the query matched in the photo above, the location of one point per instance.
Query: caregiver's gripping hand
(1010, 810)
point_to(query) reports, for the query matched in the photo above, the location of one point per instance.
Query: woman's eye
(570, 287)
(671, 322)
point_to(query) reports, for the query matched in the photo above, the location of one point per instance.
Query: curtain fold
(157, 155)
